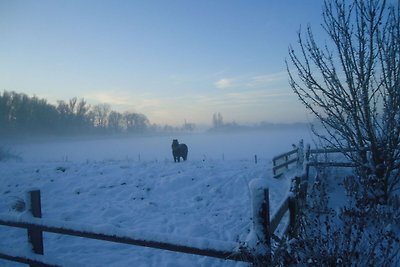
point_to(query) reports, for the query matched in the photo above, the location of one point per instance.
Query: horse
(179, 150)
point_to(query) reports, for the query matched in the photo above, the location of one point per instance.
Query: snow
(131, 186)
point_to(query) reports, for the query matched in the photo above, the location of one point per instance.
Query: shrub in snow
(356, 235)
(19, 205)
(16, 204)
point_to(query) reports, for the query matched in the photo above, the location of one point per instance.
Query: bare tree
(99, 115)
(135, 122)
(218, 120)
(82, 108)
(115, 122)
(352, 85)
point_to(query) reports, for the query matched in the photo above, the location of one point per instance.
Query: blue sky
(171, 60)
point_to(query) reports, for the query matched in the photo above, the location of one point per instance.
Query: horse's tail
(184, 150)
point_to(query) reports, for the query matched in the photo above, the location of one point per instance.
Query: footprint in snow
(198, 198)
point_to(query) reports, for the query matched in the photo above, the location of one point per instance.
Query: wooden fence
(284, 161)
(36, 226)
(315, 163)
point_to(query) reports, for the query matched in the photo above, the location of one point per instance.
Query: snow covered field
(133, 184)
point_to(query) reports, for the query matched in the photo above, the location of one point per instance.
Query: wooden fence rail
(36, 226)
(315, 163)
(231, 250)
(299, 155)
(289, 204)
(44, 226)
(282, 161)
(37, 261)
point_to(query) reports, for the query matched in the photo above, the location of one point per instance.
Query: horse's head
(175, 143)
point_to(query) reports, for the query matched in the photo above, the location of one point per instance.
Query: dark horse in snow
(179, 150)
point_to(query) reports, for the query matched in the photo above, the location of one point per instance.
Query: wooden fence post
(293, 211)
(259, 238)
(286, 160)
(265, 218)
(300, 153)
(266, 227)
(35, 236)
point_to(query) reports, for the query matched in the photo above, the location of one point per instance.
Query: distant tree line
(21, 114)
(219, 125)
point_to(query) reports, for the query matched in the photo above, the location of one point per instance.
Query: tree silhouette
(352, 85)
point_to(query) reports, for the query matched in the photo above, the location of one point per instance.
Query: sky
(174, 61)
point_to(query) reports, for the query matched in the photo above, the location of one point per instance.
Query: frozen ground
(133, 184)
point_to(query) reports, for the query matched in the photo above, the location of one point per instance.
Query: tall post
(259, 238)
(35, 236)
(293, 211)
(300, 153)
(266, 219)
(273, 167)
(286, 160)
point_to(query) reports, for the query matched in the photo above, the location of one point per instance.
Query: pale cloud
(241, 98)
(124, 100)
(109, 97)
(224, 83)
(267, 78)
(257, 97)
(147, 103)
(252, 81)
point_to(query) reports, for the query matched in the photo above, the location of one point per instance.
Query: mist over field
(207, 145)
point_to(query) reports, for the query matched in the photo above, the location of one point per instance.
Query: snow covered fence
(282, 162)
(264, 226)
(36, 226)
(308, 158)
(304, 159)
